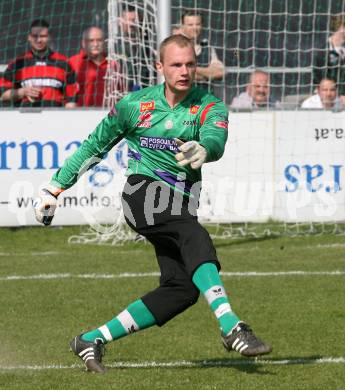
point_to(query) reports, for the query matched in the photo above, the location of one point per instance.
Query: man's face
(178, 67)
(192, 26)
(128, 22)
(259, 88)
(327, 91)
(39, 39)
(94, 43)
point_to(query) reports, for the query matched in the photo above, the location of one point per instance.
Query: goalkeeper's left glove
(45, 204)
(191, 152)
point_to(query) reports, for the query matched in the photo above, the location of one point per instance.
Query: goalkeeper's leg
(90, 345)
(235, 334)
(188, 261)
(134, 318)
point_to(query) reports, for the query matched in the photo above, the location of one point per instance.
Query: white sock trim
(214, 293)
(106, 332)
(128, 322)
(222, 309)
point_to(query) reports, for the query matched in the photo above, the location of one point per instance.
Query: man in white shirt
(329, 62)
(256, 95)
(325, 98)
(210, 67)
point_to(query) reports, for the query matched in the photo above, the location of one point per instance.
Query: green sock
(135, 317)
(208, 281)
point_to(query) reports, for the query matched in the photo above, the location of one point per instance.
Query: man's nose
(184, 69)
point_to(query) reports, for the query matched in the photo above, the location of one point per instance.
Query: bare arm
(214, 71)
(32, 93)
(70, 105)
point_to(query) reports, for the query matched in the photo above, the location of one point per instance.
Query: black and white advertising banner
(283, 165)
(34, 145)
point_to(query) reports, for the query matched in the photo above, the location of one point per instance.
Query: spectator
(90, 66)
(176, 30)
(40, 77)
(209, 65)
(326, 96)
(134, 48)
(129, 21)
(257, 94)
(330, 62)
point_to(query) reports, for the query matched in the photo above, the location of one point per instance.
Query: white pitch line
(326, 246)
(80, 276)
(186, 363)
(48, 253)
(283, 273)
(157, 274)
(55, 253)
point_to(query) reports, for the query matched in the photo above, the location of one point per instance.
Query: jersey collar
(182, 103)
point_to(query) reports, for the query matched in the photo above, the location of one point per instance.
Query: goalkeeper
(171, 129)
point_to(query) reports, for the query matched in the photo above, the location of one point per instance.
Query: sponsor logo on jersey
(40, 82)
(189, 123)
(194, 109)
(147, 106)
(169, 124)
(147, 116)
(222, 124)
(145, 124)
(159, 143)
(144, 120)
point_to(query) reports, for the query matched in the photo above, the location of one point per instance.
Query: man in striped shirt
(40, 77)
(90, 66)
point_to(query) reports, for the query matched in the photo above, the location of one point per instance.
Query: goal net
(283, 39)
(132, 42)
(294, 150)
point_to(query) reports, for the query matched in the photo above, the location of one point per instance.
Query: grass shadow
(218, 243)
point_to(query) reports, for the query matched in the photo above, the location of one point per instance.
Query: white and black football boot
(243, 340)
(91, 353)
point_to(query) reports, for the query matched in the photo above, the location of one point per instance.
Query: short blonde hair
(179, 39)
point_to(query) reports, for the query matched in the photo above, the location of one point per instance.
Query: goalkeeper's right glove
(45, 204)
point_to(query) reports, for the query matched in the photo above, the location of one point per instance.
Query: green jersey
(150, 126)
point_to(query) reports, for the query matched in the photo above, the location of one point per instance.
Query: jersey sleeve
(107, 134)
(71, 86)
(7, 79)
(213, 132)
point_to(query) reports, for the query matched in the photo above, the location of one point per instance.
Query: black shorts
(168, 226)
(180, 242)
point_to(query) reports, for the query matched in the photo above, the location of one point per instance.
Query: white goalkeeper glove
(191, 152)
(45, 204)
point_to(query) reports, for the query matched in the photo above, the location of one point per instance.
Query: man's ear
(159, 67)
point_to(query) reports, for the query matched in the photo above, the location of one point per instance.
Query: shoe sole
(253, 354)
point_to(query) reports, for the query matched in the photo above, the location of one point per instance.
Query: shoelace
(249, 335)
(99, 350)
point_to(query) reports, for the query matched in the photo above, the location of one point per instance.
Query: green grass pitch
(301, 315)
